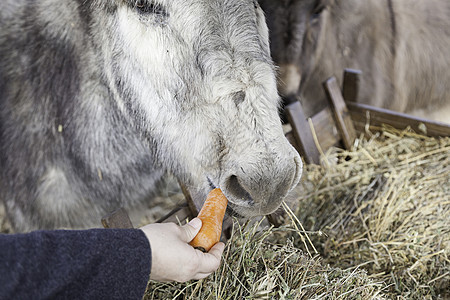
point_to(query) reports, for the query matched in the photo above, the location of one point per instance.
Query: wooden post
(179, 213)
(187, 210)
(340, 112)
(117, 219)
(350, 87)
(326, 129)
(190, 202)
(304, 141)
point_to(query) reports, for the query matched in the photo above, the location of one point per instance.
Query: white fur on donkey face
(206, 88)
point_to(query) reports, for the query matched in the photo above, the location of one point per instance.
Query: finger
(201, 275)
(217, 250)
(209, 262)
(190, 230)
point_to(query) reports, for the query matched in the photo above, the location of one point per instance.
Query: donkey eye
(149, 7)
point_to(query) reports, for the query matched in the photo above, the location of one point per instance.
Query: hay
(262, 264)
(386, 208)
(383, 208)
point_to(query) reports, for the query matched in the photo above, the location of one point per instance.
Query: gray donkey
(401, 46)
(99, 99)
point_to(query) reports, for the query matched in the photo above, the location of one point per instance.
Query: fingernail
(196, 223)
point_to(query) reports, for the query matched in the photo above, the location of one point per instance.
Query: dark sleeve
(75, 264)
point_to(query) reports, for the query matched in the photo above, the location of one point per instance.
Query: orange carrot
(211, 214)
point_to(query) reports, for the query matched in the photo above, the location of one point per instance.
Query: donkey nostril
(236, 190)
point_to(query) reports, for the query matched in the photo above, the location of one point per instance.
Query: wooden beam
(179, 213)
(326, 129)
(379, 116)
(192, 205)
(351, 85)
(340, 112)
(117, 219)
(304, 141)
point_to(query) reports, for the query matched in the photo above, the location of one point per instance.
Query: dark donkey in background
(98, 99)
(401, 47)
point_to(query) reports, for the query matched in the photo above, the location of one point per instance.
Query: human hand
(173, 259)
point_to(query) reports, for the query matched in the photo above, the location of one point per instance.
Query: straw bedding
(385, 207)
(371, 223)
(261, 264)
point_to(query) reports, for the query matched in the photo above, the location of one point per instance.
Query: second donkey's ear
(319, 6)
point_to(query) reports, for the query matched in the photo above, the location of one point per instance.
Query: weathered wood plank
(351, 84)
(340, 112)
(304, 141)
(379, 116)
(194, 206)
(117, 219)
(326, 129)
(179, 213)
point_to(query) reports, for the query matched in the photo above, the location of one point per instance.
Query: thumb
(190, 230)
